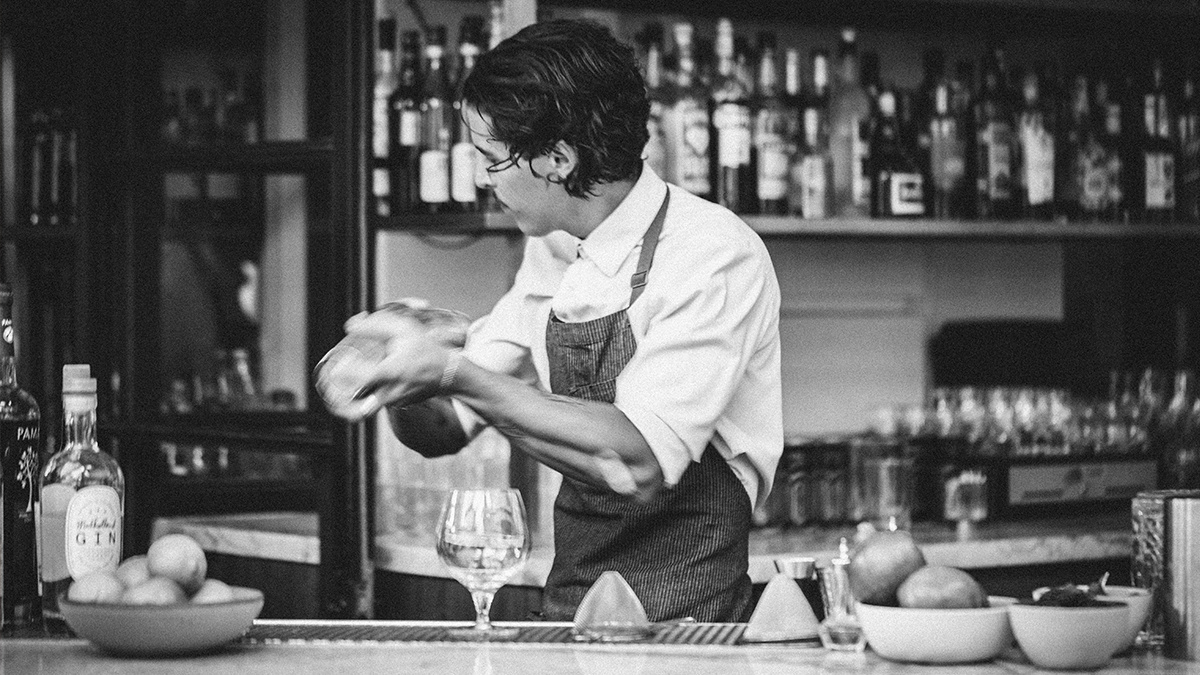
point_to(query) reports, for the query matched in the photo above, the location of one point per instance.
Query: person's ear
(562, 160)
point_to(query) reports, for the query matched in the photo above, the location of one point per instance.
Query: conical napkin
(782, 614)
(611, 611)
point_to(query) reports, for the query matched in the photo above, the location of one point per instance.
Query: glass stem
(483, 609)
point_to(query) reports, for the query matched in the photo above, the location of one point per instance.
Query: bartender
(637, 352)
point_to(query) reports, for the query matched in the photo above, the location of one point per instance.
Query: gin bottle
(20, 453)
(83, 496)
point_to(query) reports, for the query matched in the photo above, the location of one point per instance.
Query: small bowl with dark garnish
(1069, 628)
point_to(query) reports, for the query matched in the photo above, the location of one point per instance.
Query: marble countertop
(65, 657)
(292, 537)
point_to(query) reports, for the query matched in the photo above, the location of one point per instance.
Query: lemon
(942, 587)
(99, 586)
(213, 591)
(179, 558)
(133, 571)
(880, 564)
(154, 591)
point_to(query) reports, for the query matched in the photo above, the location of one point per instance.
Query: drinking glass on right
(483, 539)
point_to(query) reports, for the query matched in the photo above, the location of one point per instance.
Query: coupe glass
(483, 539)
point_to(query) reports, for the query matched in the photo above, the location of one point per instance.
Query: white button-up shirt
(707, 365)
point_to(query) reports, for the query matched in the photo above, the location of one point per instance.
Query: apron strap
(649, 242)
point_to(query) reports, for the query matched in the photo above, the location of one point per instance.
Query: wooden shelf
(269, 157)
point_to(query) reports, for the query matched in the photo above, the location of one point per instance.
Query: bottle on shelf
(995, 194)
(933, 66)
(947, 156)
(434, 170)
(495, 23)
(20, 461)
(1187, 196)
(730, 105)
(39, 168)
(816, 174)
(404, 125)
(656, 90)
(897, 185)
(793, 103)
(1102, 190)
(772, 129)
(83, 496)
(381, 140)
(849, 112)
(1036, 135)
(467, 196)
(1157, 153)
(687, 122)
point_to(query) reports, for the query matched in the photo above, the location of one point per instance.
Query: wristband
(450, 370)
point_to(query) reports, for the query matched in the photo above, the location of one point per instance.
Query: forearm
(430, 427)
(587, 440)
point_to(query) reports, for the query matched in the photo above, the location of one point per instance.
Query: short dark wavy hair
(570, 81)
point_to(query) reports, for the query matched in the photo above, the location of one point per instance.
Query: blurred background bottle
(849, 112)
(729, 102)
(404, 124)
(436, 107)
(465, 194)
(771, 133)
(381, 131)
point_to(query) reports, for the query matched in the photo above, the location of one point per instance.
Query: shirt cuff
(670, 451)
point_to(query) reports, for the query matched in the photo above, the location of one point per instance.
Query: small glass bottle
(840, 630)
(83, 496)
(20, 454)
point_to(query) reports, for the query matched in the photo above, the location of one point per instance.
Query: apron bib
(685, 553)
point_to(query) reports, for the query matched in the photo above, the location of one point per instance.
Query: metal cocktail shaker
(1181, 577)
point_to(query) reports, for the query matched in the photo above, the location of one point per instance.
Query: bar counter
(64, 657)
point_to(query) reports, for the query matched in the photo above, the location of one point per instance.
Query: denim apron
(685, 552)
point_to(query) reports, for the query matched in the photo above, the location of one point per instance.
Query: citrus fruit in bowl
(880, 563)
(938, 635)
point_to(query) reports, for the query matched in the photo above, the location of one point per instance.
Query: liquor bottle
(730, 105)
(897, 186)
(816, 172)
(793, 103)
(1036, 134)
(39, 168)
(656, 145)
(20, 457)
(1188, 130)
(962, 107)
(83, 496)
(495, 23)
(687, 122)
(434, 172)
(872, 84)
(947, 157)
(381, 140)
(404, 123)
(934, 74)
(849, 112)
(995, 196)
(467, 196)
(1102, 182)
(1158, 156)
(771, 133)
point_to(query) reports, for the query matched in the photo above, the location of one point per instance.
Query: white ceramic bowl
(1140, 601)
(163, 630)
(918, 635)
(1069, 638)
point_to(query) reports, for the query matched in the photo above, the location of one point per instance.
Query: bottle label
(1149, 110)
(814, 187)
(435, 176)
(1160, 180)
(93, 530)
(907, 196)
(732, 122)
(772, 166)
(859, 152)
(1164, 120)
(1094, 177)
(462, 172)
(409, 133)
(1038, 147)
(998, 139)
(381, 188)
(19, 474)
(379, 128)
(946, 153)
(691, 157)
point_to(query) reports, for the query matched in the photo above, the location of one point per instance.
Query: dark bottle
(816, 166)
(381, 141)
(793, 101)
(1188, 194)
(962, 106)
(1103, 182)
(1036, 134)
(404, 125)
(849, 113)
(947, 156)
(20, 470)
(923, 113)
(656, 145)
(39, 168)
(771, 133)
(436, 107)
(467, 196)
(995, 188)
(1157, 154)
(730, 105)
(897, 185)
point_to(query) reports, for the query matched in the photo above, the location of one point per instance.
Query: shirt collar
(615, 237)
